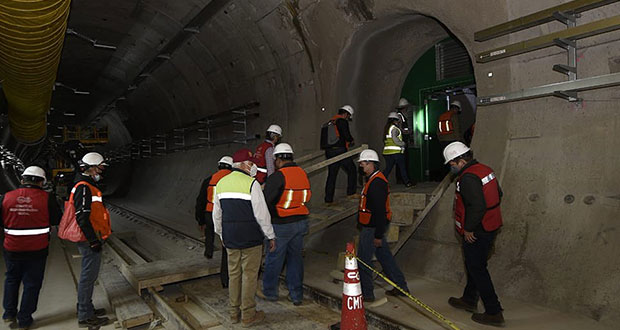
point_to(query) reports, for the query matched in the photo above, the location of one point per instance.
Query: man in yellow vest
(287, 191)
(241, 218)
(204, 209)
(394, 148)
(374, 217)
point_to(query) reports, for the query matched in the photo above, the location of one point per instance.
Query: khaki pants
(243, 266)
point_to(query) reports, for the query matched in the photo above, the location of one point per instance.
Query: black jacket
(473, 199)
(55, 214)
(274, 187)
(201, 203)
(82, 199)
(345, 134)
(376, 196)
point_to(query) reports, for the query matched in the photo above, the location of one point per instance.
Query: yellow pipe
(31, 38)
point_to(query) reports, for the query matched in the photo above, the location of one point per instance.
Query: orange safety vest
(334, 118)
(446, 127)
(99, 216)
(215, 178)
(296, 192)
(365, 214)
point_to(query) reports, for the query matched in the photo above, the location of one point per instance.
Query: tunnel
(164, 89)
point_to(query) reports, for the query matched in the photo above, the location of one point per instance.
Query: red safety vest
(493, 216)
(296, 192)
(215, 178)
(99, 216)
(261, 161)
(445, 126)
(365, 214)
(26, 220)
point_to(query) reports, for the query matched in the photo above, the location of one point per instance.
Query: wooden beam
(130, 309)
(309, 156)
(315, 167)
(574, 33)
(538, 18)
(437, 194)
(171, 315)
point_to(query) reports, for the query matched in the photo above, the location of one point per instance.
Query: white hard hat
(348, 109)
(368, 155)
(453, 150)
(275, 129)
(393, 115)
(34, 171)
(282, 148)
(226, 160)
(93, 159)
(456, 104)
(403, 102)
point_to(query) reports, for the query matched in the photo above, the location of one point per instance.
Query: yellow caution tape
(414, 299)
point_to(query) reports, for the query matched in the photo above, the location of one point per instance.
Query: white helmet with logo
(226, 160)
(368, 155)
(454, 150)
(403, 103)
(35, 171)
(275, 129)
(93, 159)
(348, 109)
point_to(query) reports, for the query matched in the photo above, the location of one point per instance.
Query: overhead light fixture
(94, 42)
(68, 114)
(144, 75)
(121, 98)
(75, 90)
(191, 29)
(164, 56)
(132, 87)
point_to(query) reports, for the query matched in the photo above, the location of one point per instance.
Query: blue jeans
(385, 258)
(30, 273)
(399, 161)
(289, 243)
(91, 263)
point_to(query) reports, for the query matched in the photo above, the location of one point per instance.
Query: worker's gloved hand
(96, 246)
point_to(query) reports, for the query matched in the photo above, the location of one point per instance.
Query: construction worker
(26, 215)
(287, 191)
(401, 111)
(204, 208)
(241, 218)
(94, 222)
(345, 141)
(264, 153)
(477, 217)
(394, 148)
(373, 217)
(448, 127)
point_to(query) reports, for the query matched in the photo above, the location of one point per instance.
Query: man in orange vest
(264, 153)
(477, 216)
(204, 213)
(448, 126)
(26, 215)
(286, 192)
(94, 221)
(374, 216)
(345, 141)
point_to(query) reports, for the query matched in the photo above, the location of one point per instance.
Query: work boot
(259, 316)
(460, 303)
(93, 322)
(496, 320)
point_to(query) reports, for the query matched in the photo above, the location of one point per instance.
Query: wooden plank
(170, 271)
(309, 156)
(169, 313)
(538, 18)
(125, 257)
(197, 317)
(130, 309)
(315, 167)
(437, 194)
(333, 219)
(574, 33)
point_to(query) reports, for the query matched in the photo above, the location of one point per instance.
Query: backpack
(329, 134)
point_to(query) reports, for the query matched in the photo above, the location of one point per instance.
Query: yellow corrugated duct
(31, 37)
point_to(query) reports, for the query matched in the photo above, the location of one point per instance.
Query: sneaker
(496, 320)
(259, 316)
(462, 304)
(93, 322)
(295, 302)
(394, 293)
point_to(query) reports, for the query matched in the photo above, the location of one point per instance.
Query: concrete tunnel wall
(359, 52)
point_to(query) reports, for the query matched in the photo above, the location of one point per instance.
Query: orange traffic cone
(352, 317)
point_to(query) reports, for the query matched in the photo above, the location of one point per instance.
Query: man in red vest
(204, 213)
(448, 126)
(286, 192)
(477, 216)
(345, 141)
(374, 217)
(26, 215)
(264, 153)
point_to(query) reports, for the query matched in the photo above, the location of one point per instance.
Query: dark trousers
(30, 273)
(479, 282)
(332, 173)
(399, 161)
(209, 239)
